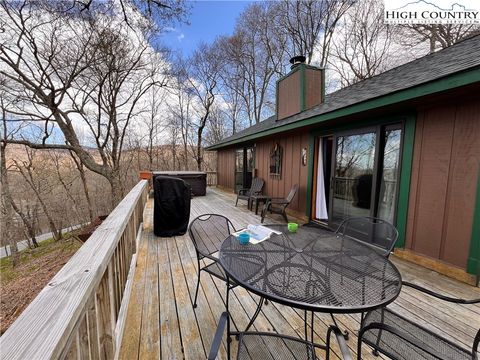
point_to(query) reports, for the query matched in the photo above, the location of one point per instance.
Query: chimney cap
(299, 59)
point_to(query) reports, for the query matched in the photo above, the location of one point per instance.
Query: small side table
(258, 199)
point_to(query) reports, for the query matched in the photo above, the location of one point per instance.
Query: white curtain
(321, 203)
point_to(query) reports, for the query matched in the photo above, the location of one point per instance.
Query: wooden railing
(80, 313)
(211, 178)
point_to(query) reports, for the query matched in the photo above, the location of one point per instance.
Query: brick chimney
(301, 89)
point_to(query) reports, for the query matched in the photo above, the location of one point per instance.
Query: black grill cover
(171, 211)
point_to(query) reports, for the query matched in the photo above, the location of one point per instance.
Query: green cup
(292, 227)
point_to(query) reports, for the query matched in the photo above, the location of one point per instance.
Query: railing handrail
(44, 328)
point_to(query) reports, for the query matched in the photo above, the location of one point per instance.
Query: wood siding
(313, 87)
(226, 168)
(293, 172)
(445, 167)
(288, 101)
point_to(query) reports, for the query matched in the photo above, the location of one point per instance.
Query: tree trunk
(6, 202)
(27, 175)
(83, 177)
(199, 150)
(115, 188)
(28, 225)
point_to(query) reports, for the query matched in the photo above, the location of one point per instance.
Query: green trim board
(450, 82)
(405, 177)
(473, 262)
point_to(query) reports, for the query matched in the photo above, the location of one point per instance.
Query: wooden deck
(162, 324)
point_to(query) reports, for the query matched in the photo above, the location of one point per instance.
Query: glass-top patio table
(313, 270)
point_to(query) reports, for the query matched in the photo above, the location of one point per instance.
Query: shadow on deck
(161, 322)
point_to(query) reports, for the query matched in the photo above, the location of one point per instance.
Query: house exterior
(403, 146)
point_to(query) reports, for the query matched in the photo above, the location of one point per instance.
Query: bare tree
(83, 178)
(181, 111)
(157, 11)
(6, 201)
(233, 85)
(257, 52)
(29, 219)
(154, 121)
(310, 26)
(362, 47)
(38, 186)
(437, 36)
(217, 128)
(69, 71)
(203, 72)
(66, 177)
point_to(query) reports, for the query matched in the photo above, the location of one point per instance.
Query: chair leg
(229, 340)
(345, 332)
(305, 317)
(236, 202)
(198, 285)
(259, 307)
(284, 214)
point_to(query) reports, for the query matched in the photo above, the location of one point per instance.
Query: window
(276, 161)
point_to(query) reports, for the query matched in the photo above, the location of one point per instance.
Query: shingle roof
(462, 56)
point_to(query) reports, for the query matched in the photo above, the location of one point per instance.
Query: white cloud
(180, 35)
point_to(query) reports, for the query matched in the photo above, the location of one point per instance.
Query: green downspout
(405, 175)
(473, 263)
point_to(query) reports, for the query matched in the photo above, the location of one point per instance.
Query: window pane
(389, 175)
(352, 188)
(250, 166)
(238, 169)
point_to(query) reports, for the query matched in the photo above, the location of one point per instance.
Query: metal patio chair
(255, 189)
(378, 234)
(400, 338)
(375, 232)
(265, 345)
(279, 205)
(207, 233)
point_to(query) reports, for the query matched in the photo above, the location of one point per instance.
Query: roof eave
(451, 81)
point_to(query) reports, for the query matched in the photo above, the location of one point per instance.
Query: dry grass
(20, 284)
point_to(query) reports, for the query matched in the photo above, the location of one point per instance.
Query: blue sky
(208, 19)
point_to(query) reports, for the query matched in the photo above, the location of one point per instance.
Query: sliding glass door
(352, 176)
(365, 174)
(244, 167)
(389, 173)
(239, 169)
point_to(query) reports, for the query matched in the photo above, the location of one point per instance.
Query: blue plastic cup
(244, 238)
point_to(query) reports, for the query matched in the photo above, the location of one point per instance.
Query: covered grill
(171, 206)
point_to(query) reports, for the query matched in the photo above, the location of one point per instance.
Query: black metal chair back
(375, 232)
(208, 231)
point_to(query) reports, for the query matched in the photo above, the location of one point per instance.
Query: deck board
(162, 324)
